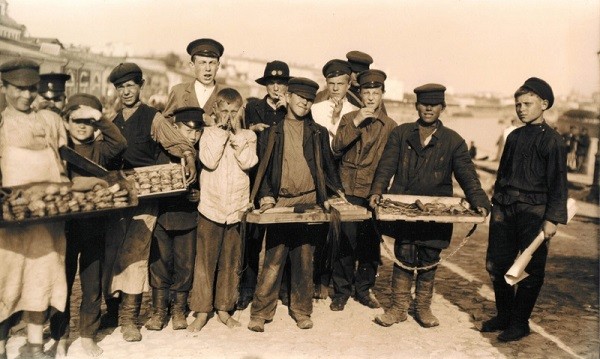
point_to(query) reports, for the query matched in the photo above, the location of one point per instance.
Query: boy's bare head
(229, 101)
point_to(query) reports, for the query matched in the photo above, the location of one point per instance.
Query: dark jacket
(260, 112)
(427, 171)
(360, 149)
(314, 135)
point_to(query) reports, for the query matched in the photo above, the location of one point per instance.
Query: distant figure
(514, 123)
(472, 150)
(571, 142)
(583, 145)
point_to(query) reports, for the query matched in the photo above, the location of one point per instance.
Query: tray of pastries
(157, 181)
(395, 207)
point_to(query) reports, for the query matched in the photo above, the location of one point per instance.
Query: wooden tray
(348, 213)
(383, 215)
(112, 178)
(152, 195)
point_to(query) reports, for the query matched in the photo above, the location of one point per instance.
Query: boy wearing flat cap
(85, 238)
(202, 92)
(530, 195)
(51, 92)
(32, 279)
(298, 169)
(173, 247)
(422, 157)
(128, 242)
(359, 144)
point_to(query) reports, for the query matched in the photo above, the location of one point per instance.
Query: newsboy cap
(124, 72)
(371, 78)
(303, 87)
(359, 61)
(82, 99)
(190, 116)
(52, 85)
(540, 88)
(336, 67)
(205, 47)
(275, 70)
(430, 94)
(20, 72)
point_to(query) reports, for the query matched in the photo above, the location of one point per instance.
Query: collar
(199, 84)
(438, 123)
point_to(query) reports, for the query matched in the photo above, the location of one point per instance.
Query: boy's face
(371, 97)
(429, 113)
(298, 106)
(530, 108)
(205, 69)
(20, 97)
(192, 135)
(338, 86)
(226, 111)
(276, 88)
(80, 130)
(129, 92)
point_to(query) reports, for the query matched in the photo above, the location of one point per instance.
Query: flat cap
(190, 116)
(205, 47)
(82, 99)
(52, 85)
(371, 78)
(336, 67)
(359, 61)
(275, 70)
(303, 87)
(430, 94)
(540, 88)
(20, 72)
(125, 71)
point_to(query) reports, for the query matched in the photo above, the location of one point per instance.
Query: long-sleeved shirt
(225, 186)
(322, 113)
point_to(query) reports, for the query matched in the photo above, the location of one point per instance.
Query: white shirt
(322, 113)
(203, 92)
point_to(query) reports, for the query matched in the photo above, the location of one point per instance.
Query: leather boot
(159, 317)
(178, 310)
(424, 293)
(128, 316)
(519, 320)
(504, 294)
(398, 312)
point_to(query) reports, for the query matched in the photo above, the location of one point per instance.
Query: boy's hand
(190, 169)
(363, 114)
(374, 200)
(483, 211)
(193, 195)
(549, 229)
(259, 127)
(281, 101)
(236, 121)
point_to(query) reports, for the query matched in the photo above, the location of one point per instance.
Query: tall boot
(159, 317)
(110, 319)
(178, 310)
(505, 295)
(398, 312)
(519, 320)
(128, 315)
(424, 293)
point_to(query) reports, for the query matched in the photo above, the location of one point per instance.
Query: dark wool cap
(82, 99)
(371, 78)
(334, 68)
(359, 61)
(275, 70)
(124, 72)
(190, 116)
(52, 85)
(20, 72)
(303, 87)
(430, 94)
(540, 88)
(205, 47)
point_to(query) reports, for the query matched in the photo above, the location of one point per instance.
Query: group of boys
(344, 145)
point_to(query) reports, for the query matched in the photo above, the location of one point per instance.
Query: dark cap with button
(303, 87)
(205, 47)
(359, 61)
(192, 117)
(540, 88)
(52, 86)
(20, 72)
(335, 68)
(371, 78)
(124, 72)
(82, 99)
(275, 70)
(430, 94)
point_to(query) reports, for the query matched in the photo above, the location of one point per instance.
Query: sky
(468, 45)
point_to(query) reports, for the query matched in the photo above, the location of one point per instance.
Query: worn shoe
(178, 311)
(514, 332)
(158, 320)
(131, 333)
(494, 324)
(388, 319)
(338, 304)
(368, 300)
(257, 325)
(304, 322)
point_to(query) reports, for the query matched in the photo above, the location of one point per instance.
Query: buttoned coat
(184, 95)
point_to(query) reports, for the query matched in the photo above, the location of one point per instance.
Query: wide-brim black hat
(275, 70)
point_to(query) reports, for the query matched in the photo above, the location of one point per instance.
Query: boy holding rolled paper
(530, 195)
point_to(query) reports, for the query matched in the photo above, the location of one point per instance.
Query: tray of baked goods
(396, 207)
(49, 201)
(157, 181)
(309, 213)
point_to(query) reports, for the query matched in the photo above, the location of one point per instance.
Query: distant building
(9, 28)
